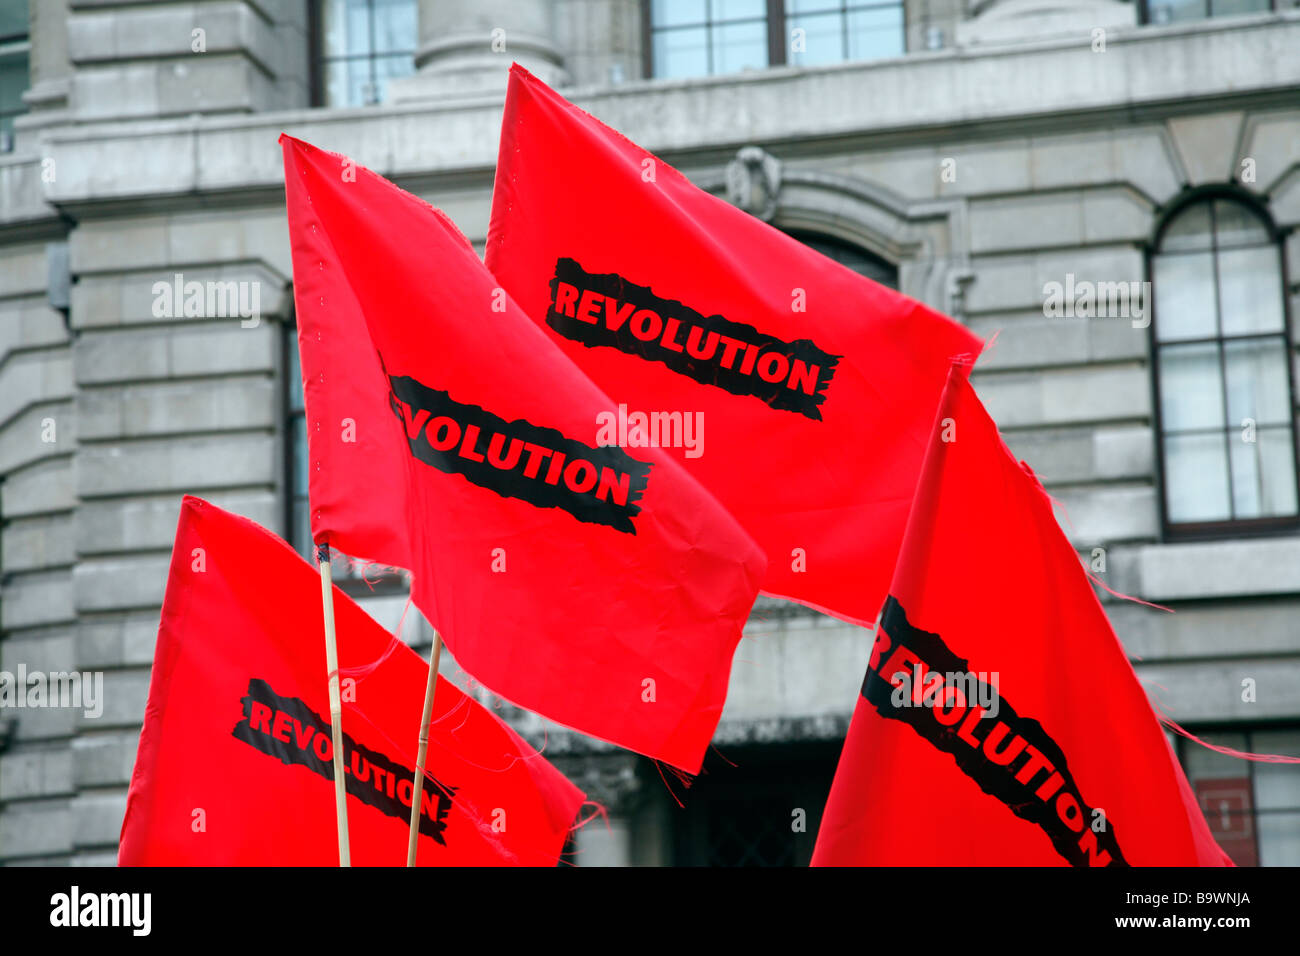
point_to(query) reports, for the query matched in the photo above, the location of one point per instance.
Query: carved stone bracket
(753, 181)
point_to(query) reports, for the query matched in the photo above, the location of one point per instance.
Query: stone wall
(1063, 159)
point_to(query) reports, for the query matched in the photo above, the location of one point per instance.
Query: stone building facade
(991, 158)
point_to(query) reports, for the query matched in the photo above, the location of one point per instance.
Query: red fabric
(608, 596)
(832, 478)
(241, 641)
(987, 583)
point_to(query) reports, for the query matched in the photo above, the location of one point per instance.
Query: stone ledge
(1216, 569)
(1155, 69)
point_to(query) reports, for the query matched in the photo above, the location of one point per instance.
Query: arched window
(860, 261)
(1222, 361)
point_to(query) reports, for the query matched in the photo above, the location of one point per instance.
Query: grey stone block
(35, 773)
(38, 828)
(40, 488)
(35, 599)
(104, 760)
(126, 583)
(1220, 569)
(97, 818)
(178, 409)
(178, 465)
(119, 640)
(116, 525)
(28, 544)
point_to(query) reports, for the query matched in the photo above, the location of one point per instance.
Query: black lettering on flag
(1009, 756)
(596, 484)
(287, 729)
(609, 310)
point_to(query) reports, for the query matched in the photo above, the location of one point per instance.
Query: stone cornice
(1147, 73)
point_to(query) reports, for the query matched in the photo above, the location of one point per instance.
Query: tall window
(1222, 364)
(708, 37)
(1181, 11)
(14, 72)
(1253, 809)
(360, 45)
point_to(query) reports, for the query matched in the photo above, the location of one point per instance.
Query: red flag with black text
(235, 763)
(1000, 721)
(810, 388)
(602, 588)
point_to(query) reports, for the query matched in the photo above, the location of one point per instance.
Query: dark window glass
(861, 262)
(15, 77)
(1224, 386)
(755, 805)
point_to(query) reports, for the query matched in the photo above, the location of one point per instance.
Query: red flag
(602, 589)
(815, 385)
(235, 760)
(1000, 722)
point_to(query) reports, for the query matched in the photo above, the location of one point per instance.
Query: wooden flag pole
(336, 701)
(430, 688)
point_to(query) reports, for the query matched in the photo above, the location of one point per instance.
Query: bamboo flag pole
(430, 688)
(336, 701)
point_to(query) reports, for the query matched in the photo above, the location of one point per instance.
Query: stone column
(51, 73)
(467, 46)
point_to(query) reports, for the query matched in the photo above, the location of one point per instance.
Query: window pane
(1277, 787)
(1191, 387)
(823, 39)
(1263, 474)
(1190, 230)
(738, 46)
(347, 83)
(1177, 11)
(1279, 838)
(667, 13)
(1201, 763)
(1236, 224)
(1185, 299)
(13, 18)
(739, 9)
(1227, 8)
(390, 67)
(874, 34)
(395, 26)
(681, 52)
(1196, 478)
(1257, 381)
(345, 27)
(13, 82)
(812, 6)
(1250, 290)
